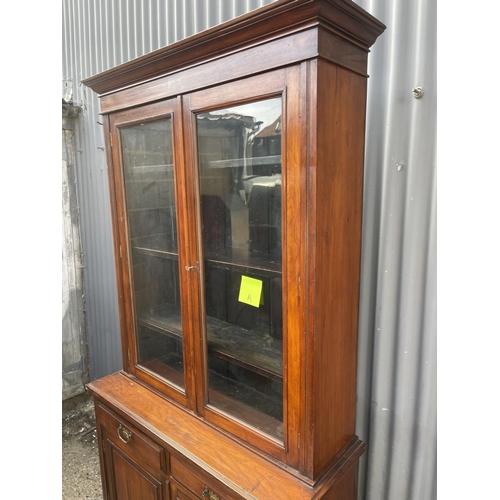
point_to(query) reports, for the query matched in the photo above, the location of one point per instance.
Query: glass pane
(150, 198)
(240, 187)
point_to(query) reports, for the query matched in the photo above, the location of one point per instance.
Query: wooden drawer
(130, 440)
(179, 493)
(199, 482)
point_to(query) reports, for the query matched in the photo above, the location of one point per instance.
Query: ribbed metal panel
(397, 332)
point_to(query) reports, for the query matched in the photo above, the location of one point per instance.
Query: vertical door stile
(127, 317)
(294, 260)
(112, 164)
(185, 246)
(194, 265)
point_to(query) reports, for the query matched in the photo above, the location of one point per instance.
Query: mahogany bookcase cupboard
(235, 162)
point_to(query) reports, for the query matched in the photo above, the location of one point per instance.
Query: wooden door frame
(168, 108)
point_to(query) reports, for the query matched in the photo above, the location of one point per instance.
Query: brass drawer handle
(209, 494)
(124, 434)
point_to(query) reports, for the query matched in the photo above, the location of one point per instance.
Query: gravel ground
(81, 476)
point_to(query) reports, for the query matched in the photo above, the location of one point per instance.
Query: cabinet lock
(124, 434)
(208, 494)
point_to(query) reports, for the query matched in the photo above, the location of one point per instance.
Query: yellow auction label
(251, 291)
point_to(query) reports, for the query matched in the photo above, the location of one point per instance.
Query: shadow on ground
(81, 476)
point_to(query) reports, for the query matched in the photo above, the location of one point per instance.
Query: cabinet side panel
(345, 487)
(339, 191)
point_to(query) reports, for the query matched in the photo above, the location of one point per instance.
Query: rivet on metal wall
(400, 166)
(418, 92)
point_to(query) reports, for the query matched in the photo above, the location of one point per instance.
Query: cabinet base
(176, 455)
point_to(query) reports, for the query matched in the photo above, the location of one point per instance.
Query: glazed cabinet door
(244, 173)
(147, 179)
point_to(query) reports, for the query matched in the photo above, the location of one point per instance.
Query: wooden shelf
(244, 261)
(165, 319)
(151, 209)
(253, 161)
(169, 167)
(249, 349)
(261, 411)
(155, 245)
(228, 259)
(166, 371)
(165, 254)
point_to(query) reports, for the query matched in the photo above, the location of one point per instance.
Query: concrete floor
(81, 476)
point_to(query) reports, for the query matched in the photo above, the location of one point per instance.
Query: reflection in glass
(150, 199)
(240, 187)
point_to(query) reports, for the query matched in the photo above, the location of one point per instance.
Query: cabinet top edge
(275, 20)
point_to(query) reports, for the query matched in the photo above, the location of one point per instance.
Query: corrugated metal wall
(397, 348)
(397, 333)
